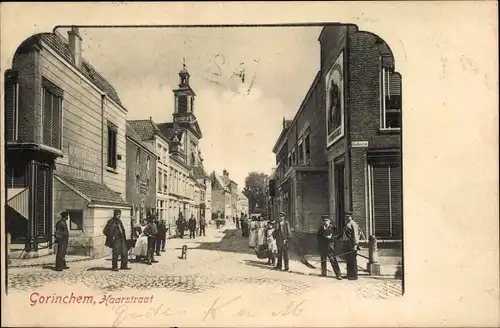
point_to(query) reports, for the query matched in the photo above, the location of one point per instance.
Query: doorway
(339, 186)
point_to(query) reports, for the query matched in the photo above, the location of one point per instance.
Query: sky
(240, 119)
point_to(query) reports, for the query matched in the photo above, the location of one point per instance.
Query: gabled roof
(215, 177)
(59, 44)
(94, 192)
(146, 129)
(132, 134)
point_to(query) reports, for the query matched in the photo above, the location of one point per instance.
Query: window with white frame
(158, 183)
(301, 152)
(390, 116)
(307, 149)
(138, 156)
(159, 154)
(165, 182)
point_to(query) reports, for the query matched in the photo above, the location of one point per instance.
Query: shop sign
(359, 144)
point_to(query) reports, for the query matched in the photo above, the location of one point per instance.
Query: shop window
(51, 114)
(390, 100)
(75, 220)
(112, 147)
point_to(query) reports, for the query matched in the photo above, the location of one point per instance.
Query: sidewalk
(314, 260)
(45, 261)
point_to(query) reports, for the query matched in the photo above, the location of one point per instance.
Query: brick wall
(312, 200)
(26, 63)
(145, 174)
(364, 90)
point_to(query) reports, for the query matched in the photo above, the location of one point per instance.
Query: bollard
(373, 265)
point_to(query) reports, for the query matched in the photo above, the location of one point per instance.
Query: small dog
(184, 252)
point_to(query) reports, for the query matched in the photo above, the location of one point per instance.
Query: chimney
(75, 45)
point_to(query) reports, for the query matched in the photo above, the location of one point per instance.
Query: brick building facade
(141, 176)
(65, 129)
(350, 129)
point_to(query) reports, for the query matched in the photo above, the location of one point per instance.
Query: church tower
(185, 119)
(184, 99)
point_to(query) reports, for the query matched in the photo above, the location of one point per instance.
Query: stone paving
(215, 261)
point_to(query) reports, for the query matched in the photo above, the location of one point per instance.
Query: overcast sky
(240, 120)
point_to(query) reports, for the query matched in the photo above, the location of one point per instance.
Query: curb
(50, 263)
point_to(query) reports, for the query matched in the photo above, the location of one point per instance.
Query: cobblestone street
(221, 258)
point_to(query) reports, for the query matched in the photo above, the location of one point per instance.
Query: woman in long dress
(141, 245)
(252, 240)
(272, 247)
(261, 232)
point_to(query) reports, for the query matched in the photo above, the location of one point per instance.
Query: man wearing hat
(116, 240)
(326, 236)
(151, 231)
(62, 236)
(282, 235)
(351, 231)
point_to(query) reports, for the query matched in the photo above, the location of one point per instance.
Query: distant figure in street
(272, 248)
(254, 227)
(326, 237)
(245, 226)
(242, 225)
(116, 239)
(192, 227)
(181, 225)
(237, 222)
(161, 238)
(282, 234)
(62, 236)
(351, 231)
(151, 231)
(203, 223)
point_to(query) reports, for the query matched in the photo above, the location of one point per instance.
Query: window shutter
(10, 111)
(381, 201)
(396, 199)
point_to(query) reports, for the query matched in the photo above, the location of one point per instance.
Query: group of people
(150, 238)
(271, 235)
(274, 237)
(191, 225)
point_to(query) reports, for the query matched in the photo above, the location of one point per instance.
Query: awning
(93, 192)
(18, 200)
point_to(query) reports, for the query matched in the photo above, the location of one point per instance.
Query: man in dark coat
(151, 231)
(203, 223)
(351, 231)
(181, 225)
(326, 237)
(192, 227)
(282, 234)
(161, 237)
(117, 240)
(62, 236)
